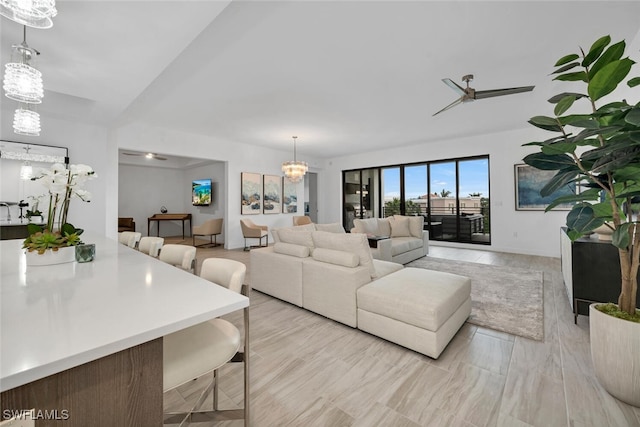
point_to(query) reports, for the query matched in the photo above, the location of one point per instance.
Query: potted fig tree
(598, 148)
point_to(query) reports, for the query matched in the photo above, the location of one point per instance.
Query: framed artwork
(529, 182)
(272, 194)
(289, 196)
(251, 189)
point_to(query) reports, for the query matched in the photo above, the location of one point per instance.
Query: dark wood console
(591, 272)
(169, 217)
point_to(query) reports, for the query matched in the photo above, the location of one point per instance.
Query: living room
(244, 117)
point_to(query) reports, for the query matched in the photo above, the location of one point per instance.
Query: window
(452, 195)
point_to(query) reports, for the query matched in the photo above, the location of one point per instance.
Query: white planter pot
(615, 350)
(50, 257)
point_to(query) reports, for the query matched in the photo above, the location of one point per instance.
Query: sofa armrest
(383, 251)
(425, 242)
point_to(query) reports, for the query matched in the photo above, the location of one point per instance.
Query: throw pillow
(384, 228)
(356, 243)
(335, 227)
(302, 238)
(416, 224)
(291, 249)
(332, 256)
(275, 232)
(400, 227)
(366, 226)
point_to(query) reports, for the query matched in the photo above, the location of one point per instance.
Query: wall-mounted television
(201, 193)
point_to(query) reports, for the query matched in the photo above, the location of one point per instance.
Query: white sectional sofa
(407, 240)
(332, 273)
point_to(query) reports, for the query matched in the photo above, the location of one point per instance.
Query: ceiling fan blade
(159, 158)
(453, 104)
(133, 154)
(454, 86)
(481, 94)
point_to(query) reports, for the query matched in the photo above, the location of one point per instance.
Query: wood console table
(169, 217)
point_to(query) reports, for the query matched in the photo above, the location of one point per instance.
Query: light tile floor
(307, 370)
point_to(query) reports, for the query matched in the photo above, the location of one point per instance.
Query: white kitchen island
(86, 338)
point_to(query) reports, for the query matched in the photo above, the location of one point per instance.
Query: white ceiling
(338, 74)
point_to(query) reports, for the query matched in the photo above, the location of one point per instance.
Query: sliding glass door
(452, 195)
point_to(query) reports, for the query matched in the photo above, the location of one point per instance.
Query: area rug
(506, 299)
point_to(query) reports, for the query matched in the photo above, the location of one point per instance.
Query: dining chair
(129, 238)
(193, 352)
(151, 245)
(181, 256)
(301, 220)
(250, 230)
(210, 228)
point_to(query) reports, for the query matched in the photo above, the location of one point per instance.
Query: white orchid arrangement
(63, 185)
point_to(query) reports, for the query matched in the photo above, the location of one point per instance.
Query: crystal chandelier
(26, 121)
(34, 13)
(22, 82)
(294, 170)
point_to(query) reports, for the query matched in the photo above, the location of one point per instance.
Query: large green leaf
(596, 49)
(573, 77)
(564, 104)
(591, 194)
(633, 117)
(634, 82)
(556, 98)
(559, 180)
(630, 172)
(614, 160)
(549, 162)
(559, 148)
(546, 123)
(582, 218)
(566, 59)
(613, 53)
(620, 237)
(603, 210)
(566, 67)
(607, 79)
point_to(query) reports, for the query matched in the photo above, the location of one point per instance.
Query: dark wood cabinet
(591, 272)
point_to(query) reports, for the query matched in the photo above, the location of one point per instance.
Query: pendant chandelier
(33, 13)
(294, 170)
(26, 121)
(26, 170)
(22, 82)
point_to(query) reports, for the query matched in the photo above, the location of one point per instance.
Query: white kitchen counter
(53, 318)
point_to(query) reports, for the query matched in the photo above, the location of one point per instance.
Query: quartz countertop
(53, 318)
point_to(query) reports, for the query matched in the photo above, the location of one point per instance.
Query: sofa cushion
(400, 226)
(416, 225)
(400, 245)
(332, 256)
(296, 237)
(275, 232)
(384, 227)
(366, 226)
(299, 251)
(335, 227)
(356, 243)
(417, 296)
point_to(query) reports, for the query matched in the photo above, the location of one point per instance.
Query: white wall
(143, 190)
(512, 231)
(239, 157)
(527, 232)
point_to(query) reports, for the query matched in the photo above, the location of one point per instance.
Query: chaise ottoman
(416, 308)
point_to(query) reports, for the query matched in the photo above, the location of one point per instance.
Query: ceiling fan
(469, 94)
(147, 155)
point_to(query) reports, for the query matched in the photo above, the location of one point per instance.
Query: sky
(474, 178)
